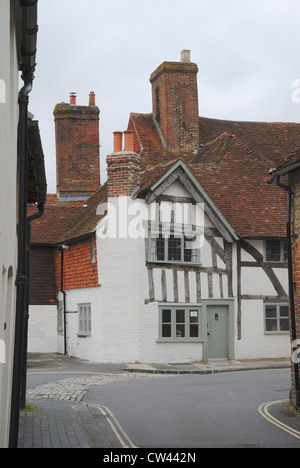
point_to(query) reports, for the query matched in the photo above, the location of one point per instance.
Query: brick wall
(175, 104)
(80, 266)
(123, 172)
(77, 149)
(294, 181)
(42, 286)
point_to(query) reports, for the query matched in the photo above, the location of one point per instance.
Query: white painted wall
(255, 344)
(124, 323)
(8, 204)
(42, 329)
(89, 348)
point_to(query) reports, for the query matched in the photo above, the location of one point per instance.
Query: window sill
(81, 335)
(162, 262)
(174, 340)
(277, 333)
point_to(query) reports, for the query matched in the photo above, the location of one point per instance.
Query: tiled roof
(292, 161)
(55, 219)
(87, 219)
(232, 165)
(271, 140)
(64, 221)
(149, 143)
(235, 178)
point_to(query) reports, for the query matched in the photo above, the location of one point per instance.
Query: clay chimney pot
(118, 140)
(92, 99)
(73, 99)
(128, 141)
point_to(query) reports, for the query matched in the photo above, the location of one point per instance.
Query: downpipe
(62, 290)
(22, 273)
(30, 219)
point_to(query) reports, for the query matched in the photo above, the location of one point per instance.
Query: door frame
(211, 302)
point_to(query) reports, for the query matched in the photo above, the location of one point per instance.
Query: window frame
(174, 337)
(282, 250)
(166, 237)
(85, 331)
(278, 305)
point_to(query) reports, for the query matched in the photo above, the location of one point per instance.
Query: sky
(247, 52)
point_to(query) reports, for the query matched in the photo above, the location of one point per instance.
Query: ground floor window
(177, 323)
(276, 318)
(85, 320)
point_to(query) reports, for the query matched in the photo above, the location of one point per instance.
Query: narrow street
(140, 410)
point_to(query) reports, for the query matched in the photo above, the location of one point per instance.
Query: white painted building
(8, 203)
(17, 38)
(146, 277)
(150, 309)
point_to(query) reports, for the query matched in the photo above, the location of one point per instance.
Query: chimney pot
(73, 99)
(186, 56)
(118, 139)
(92, 99)
(128, 141)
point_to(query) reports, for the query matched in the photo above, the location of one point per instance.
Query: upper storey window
(276, 251)
(176, 233)
(174, 248)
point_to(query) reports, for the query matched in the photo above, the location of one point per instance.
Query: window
(174, 248)
(179, 323)
(276, 251)
(276, 318)
(84, 312)
(92, 251)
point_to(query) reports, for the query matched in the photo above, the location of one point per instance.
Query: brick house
(287, 177)
(181, 255)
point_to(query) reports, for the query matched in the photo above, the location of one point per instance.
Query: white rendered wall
(255, 344)
(8, 207)
(42, 329)
(130, 323)
(91, 347)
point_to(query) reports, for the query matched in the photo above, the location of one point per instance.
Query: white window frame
(277, 318)
(176, 327)
(165, 238)
(84, 320)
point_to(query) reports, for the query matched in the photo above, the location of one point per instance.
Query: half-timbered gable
(189, 241)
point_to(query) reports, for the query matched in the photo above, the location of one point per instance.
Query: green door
(218, 331)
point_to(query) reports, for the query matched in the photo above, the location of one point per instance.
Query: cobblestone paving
(74, 389)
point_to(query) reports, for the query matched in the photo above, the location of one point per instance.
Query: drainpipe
(22, 278)
(62, 248)
(291, 286)
(28, 55)
(26, 318)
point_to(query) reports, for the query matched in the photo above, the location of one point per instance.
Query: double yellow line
(116, 427)
(263, 410)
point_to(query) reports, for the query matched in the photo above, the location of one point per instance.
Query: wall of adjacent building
(8, 206)
(294, 180)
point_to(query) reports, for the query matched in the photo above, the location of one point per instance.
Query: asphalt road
(218, 410)
(186, 411)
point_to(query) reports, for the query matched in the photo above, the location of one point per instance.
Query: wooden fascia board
(181, 172)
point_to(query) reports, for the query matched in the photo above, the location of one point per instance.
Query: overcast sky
(247, 52)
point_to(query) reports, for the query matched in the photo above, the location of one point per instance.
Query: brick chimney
(123, 167)
(175, 102)
(77, 149)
